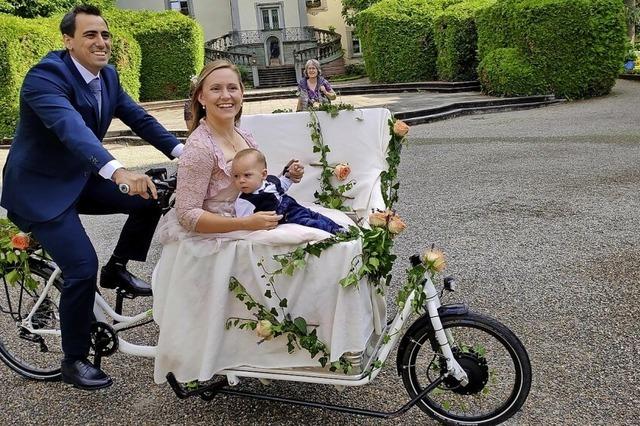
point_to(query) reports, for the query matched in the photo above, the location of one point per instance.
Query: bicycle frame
(104, 313)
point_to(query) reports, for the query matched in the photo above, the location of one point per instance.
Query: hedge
(574, 46)
(397, 39)
(46, 8)
(510, 74)
(23, 42)
(172, 50)
(456, 40)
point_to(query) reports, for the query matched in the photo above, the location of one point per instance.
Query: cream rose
(400, 128)
(378, 218)
(396, 225)
(20, 241)
(434, 259)
(263, 329)
(342, 170)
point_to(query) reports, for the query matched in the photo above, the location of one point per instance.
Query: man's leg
(101, 196)
(65, 240)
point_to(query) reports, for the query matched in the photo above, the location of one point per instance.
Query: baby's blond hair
(258, 156)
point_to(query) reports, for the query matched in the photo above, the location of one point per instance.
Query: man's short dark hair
(68, 23)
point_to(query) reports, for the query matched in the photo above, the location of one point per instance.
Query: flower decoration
(388, 219)
(396, 225)
(400, 128)
(342, 171)
(433, 260)
(264, 329)
(20, 241)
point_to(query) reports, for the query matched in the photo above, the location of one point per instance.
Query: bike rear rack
(209, 392)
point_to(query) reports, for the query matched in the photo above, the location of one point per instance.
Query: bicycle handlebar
(165, 186)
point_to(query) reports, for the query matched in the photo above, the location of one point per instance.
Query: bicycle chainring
(104, 340)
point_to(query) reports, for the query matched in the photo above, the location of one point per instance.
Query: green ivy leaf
(301, 325)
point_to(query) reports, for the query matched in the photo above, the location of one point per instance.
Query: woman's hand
(295, 170)
(263, 220)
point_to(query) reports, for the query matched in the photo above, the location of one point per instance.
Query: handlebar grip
(124, 188)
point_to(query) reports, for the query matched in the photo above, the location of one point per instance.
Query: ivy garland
(270, 323)
(328, 196)
(375, 263)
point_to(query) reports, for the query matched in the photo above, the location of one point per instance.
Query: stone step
(457, 109)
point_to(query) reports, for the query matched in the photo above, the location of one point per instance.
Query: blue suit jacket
(58, 142)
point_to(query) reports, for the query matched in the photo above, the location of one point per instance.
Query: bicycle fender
(451, 310)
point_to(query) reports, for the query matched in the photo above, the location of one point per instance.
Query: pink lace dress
(204, 184)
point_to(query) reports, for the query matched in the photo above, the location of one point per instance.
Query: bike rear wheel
(494, 359)
(34, 356)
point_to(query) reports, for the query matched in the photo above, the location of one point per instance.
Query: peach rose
(434, 260)
(400, 128)
(263, 329)
(378, 218)
(396, 225)
(20, 241)
(342, 170)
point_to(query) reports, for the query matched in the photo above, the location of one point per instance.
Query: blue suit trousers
(66, 241)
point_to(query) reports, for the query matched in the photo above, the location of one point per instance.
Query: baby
(260, 191)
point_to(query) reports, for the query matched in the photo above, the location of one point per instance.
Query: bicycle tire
(500, 344)
(26, 356)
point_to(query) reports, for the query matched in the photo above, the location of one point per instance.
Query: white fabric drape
(190, 282)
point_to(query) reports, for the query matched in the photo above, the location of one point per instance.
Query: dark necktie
(96, 89)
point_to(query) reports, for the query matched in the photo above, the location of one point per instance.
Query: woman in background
(313, 88)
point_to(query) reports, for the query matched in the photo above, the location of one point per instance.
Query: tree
(350, 9)
(633, 16)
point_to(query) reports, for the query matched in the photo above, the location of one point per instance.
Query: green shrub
(456, 40)
(46, 8)
(356, 68)
(506, 72)
(555, 37)
(126, 56)
(397, 39)
(23, 42)
(172, 47)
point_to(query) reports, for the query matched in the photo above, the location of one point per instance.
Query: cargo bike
(458, 366)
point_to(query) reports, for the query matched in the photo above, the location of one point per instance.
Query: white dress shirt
(108, 169)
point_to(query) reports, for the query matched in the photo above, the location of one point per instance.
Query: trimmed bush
(456, 40)
(126, 56)
(46, 8)
(23, 42)
(505, 72)
(172, 48)
(398, 41)
(555, 36)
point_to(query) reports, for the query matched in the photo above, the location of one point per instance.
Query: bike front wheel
(32, 355)
(494, 359)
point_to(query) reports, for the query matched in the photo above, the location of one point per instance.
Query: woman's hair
(197, 111)
(314, 63)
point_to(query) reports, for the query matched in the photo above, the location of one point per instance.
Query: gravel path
(538, 212)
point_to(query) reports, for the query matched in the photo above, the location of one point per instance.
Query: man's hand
(139, 183)
(295, 170)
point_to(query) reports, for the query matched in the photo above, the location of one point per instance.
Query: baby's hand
(296, 171)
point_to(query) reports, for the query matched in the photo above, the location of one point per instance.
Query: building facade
(267, 33)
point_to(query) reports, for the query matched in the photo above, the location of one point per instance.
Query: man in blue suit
(57, 168)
